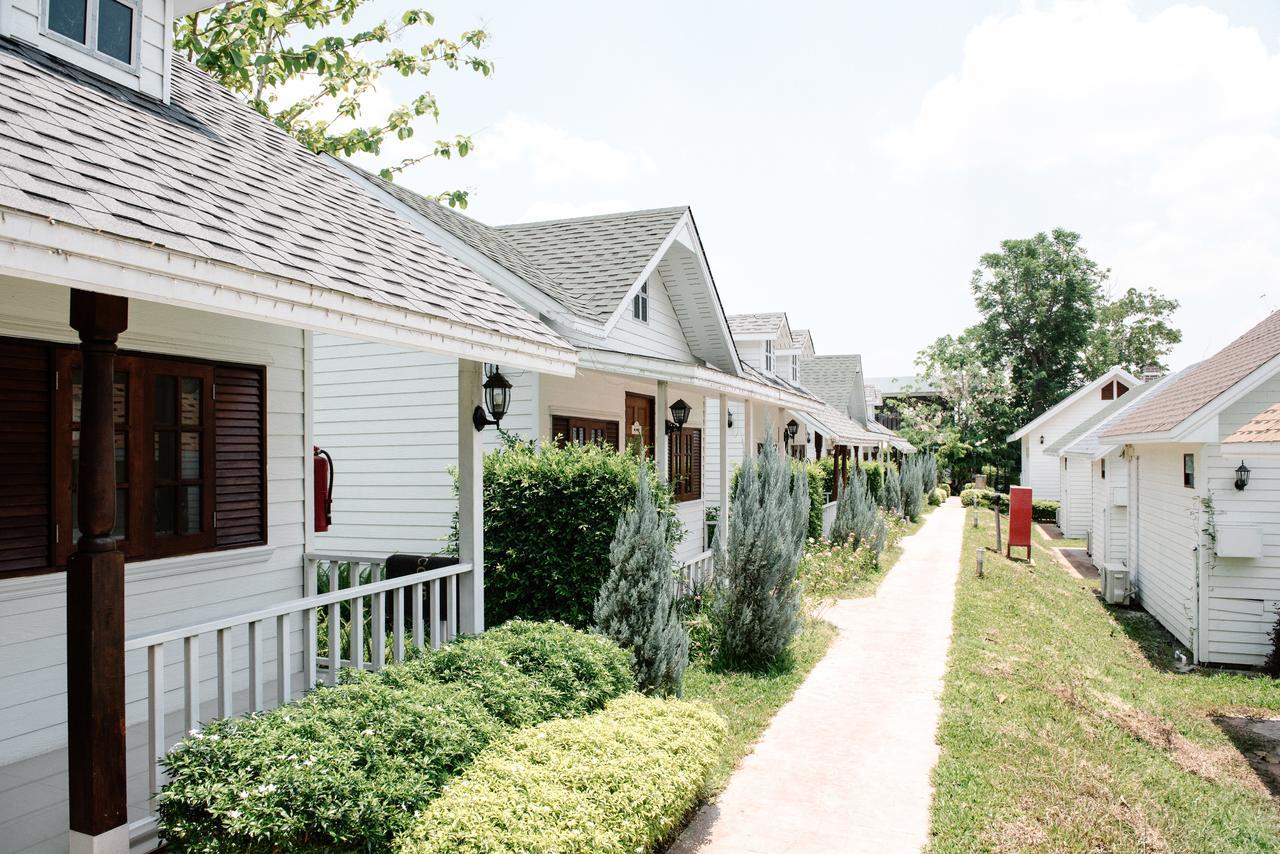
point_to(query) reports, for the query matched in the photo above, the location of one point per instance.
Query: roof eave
(1115, 373)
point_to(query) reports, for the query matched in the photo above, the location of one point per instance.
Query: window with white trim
(795, 369)
(108, 29)
(640, 304)
(768, 356)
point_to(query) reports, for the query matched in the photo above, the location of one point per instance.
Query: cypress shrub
(930, 473)
(636, 607)
(758, 601)
(550, 515)
(912, 487)
(893, 490)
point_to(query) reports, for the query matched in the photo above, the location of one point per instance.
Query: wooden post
(95, 597)
(660, 458)
(748, 430)
(722, 530)
(982, 557)
(996, 509)
(470, 502)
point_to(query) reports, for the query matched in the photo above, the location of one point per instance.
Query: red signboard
(1019, 520)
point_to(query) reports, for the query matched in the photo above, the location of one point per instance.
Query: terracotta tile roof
(1263, 428)
(1201, 384)
(207, 176)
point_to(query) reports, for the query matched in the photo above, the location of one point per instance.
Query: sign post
(1019, 520)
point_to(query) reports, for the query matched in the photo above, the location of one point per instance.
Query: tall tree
(304, 65)
(1132, 331)
(1037, 298)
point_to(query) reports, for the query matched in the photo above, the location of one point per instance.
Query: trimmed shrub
(938, 496)
(757, 600)
(819, 489)
(636, 607)
(621, 780)
(346, 767)
(874, 473)
(550, 515)
(1044, 510)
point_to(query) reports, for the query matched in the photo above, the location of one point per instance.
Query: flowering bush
(347, 767)
(619, 780)
(830, 570)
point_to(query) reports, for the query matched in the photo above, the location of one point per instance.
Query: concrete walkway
(845, 765)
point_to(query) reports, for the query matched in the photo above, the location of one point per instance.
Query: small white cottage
(1204, 488)
(1041, 471)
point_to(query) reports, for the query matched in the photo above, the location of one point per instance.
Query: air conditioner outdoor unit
(1116, 587)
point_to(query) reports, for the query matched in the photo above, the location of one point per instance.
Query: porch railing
(696, 572)
(429, 616)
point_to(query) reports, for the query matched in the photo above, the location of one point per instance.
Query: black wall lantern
(729, 419)
(789, 432)
(1242, 476)
(497, 399)
(679, 415)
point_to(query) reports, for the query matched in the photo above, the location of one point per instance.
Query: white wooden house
(1094, 480)
(1203, 544)
(631, 291)
(1041, 471)
(838, 381)
(167, 259)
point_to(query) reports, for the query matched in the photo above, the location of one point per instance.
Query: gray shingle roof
(595, 259)
(207, 176)
(831, 378)
(802, 338)
(769, 323)
(1200, 384)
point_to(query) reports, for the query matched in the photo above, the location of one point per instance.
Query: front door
(639, 421)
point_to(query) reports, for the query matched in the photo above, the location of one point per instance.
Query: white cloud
(552, 155)
(1157, 135)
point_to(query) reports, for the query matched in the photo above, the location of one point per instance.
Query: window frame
(1189, 471)
(640, 304)
(90, 44)
(768, 356)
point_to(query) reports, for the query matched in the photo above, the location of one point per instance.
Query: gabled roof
(802, 340)
(1084, 438)
(1199, 386)
(757, 325)
(1264, 427)
(595, 260)
(832, 378)
(1116, 373)
(206, 177)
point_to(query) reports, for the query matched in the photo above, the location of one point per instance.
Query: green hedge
(874, 472)
(819, 489)
(346, 767)
(549, 517)
(938, 496)
(621, 780)
(1044, 511)
(1041, 510)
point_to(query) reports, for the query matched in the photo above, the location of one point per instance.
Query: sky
(848, 162)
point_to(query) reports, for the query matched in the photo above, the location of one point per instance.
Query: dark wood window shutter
(560, 429)
(240, 504)
(611, 435)
(695, 463)
(26, 455)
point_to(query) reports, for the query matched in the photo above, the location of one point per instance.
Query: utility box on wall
(1238, 541)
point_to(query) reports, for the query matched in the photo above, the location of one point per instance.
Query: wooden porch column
(722, 525)
(470, 500)
(95, 598)
(748, 430)
(660, 431)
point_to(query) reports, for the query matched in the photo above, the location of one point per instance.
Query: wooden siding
(389, 418)
(1076, 496)
(1110, 524)
(1165, 526)
(1040, 470)
(711, 445)
(662, 336)
(21, 19)
(165, 593)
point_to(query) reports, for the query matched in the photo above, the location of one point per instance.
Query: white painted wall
(173, 592)
(1040, 470)
(662, 336)
(1164, 532)
(711, 444)
(1109, 521)
(21, 19)
(1076, 491)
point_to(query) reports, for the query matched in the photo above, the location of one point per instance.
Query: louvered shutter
(611, 435)
(559, 429)
(695, 463)
(26, 403)
(240, 442)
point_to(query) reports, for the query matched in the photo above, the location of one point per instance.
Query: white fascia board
(630, 364)
(36, 249)
(722, 319)
(652, 265)
(183, 8)
(1116, 373)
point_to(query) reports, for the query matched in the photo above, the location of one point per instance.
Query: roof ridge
(589, 217)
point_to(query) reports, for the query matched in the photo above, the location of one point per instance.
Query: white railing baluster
(378, 627)
(355, 626)
(226, 685)
(433, 614)
(191, 682)
(284, 670)
(155, 716)
(418, 639)
(255, 665)
(335, 641)
(310, 647)
(451, 585)
(397, 624)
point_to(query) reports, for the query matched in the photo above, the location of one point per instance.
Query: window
(106, 28)
(684, 455)
(640, 304)
(1104, 468)
(1189, 470)
(1109, 391)
(190, 455)
(768, 356)
(580, 431)
(795, 369)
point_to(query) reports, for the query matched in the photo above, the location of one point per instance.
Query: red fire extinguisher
(322, 484)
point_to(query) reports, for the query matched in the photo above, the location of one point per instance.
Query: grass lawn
(1065, 728)
(748, 702)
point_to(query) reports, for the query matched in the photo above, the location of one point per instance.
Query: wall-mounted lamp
(789, 432)
(1242, 476)
(679, 415)
(729, 418)
(497, 399)
(1041, 438)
